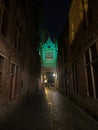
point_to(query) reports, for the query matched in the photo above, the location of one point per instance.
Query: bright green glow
(49, 53)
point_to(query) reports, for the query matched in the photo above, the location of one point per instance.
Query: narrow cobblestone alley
(49, 110)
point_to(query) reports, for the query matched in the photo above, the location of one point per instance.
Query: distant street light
(45, 81)
(54, 75)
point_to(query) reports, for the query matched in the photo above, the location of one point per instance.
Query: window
(49, 55)
(94, 64)
(49, 46)
(13, 81)
(75, 77)
(17, 38)
(4, 23)
(1, 66)
(91, 58)
(16, 34)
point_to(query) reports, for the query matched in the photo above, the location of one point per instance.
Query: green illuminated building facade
(48, 52)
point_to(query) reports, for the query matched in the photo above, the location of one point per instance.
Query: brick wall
(16, 58)
(83, 39)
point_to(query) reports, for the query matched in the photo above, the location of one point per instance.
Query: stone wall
(85, 36)
(17, 51)
(81, 37)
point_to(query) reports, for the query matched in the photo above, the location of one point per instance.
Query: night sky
(55, 12)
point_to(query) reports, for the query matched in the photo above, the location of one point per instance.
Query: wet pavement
(49, 110)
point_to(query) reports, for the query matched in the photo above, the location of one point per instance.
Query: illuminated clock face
(49, 54)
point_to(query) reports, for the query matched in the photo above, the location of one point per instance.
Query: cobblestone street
(49, 110)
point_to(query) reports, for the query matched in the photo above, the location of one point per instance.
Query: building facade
(18, 52)
(48, 51)
(82, 43)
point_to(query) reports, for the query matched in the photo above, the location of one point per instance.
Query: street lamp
(54, 75)
(45, 81)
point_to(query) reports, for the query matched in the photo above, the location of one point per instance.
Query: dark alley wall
(19, 59)
(78, 68)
